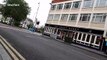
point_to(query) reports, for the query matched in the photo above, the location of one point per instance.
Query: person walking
(106, 45)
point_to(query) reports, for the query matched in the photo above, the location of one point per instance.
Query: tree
(16, 9)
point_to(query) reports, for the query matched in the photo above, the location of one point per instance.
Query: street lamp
(36, 14)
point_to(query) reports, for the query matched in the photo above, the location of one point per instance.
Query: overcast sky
(43, 10)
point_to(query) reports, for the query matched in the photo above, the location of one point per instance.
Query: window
(64, 16)
(59, 6)
(50, 17)
(76, 4)
(88, 3)
(56, 17)
(85, 17)
(73, 17)
(88, 38)
(67, 5)
(79, 38)
(75, 36)
(98, 40)
(92, 40)
(101, 3)
(53, 7)
(99, 17)
(84, 36)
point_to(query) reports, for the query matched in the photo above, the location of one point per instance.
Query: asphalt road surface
(38, 47)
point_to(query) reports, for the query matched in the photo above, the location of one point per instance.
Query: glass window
(76, 4)
(98, 40)
(50, 17)
(84, 36)
(88, 3)
(53, 7)
(101, 3)
(67, 5)
(59, 6)
(56, 17)
(73, 17)
(88, 38)
(79, 38)
(75, 35)
(99, 17)
(92, 40)
(64, 16)
(85, 17)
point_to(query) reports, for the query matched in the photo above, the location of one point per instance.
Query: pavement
(81, 47)
(34, 46)
(3, 54)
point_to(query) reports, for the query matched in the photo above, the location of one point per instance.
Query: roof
(56, 1)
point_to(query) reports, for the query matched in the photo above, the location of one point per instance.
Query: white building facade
(83, 20)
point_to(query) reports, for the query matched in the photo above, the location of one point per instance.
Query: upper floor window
(85, 17)
(76, 4)
(101, 3)
(73, 17)
(88, 3)
(99, 17)
(56, 17)
(53, 7)
(59, 6)
(64, 16)
(67, 5)
(50, 17)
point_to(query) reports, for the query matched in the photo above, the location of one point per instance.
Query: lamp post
(36, 14)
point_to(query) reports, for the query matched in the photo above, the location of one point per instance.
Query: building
(27, 22)
(85, 21)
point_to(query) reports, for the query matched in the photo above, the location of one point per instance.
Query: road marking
(13, 52)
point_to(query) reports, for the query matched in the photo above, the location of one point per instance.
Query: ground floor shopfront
(87, 37)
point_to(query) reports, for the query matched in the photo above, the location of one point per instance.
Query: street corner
(7, 52)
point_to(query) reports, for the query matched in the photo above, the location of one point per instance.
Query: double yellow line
(14, 54)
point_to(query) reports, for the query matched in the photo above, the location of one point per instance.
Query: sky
(42, 12)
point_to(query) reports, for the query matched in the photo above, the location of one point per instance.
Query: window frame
(67, 5)
(59, 6)
(64, 17)
(72, 18)
(90, 2)
(102, 15)
(84, 16)
(74, 5)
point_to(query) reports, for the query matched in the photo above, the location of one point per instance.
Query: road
(38, 47)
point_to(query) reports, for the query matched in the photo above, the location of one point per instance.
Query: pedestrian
(106, 45)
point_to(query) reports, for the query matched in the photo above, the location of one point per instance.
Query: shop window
(88, 38)
(79, 38)
(92, 39)
(84, 36)
(98, 40)
(75, 35)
